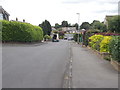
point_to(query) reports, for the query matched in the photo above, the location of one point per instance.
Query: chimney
(23, 20)
(16, 19)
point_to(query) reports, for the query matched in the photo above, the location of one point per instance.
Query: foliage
(61, 37)
(0, 31)
(115, 48)
(93, 31)
(20, 32)
(64, 24)
(108, 34)
(98, 25)
(76, 25)
(104, 44)
(61, 33)
(85, 25)
(76, 37)
(114, 24)
(55, 31)
(46, 26)
(95, 40)
(57, 26)
(47, 37)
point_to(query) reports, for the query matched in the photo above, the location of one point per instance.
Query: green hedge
(115, 48)
(20, 32)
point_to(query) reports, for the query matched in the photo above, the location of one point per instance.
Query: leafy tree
(99, 26)
(114, 24)
(85, 25)
(46, 26)
(57, 26)
(64, 24)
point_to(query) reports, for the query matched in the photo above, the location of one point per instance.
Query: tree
(85, 25)
(114, 24)
(76, 25)
(57, 26)
(99, 26)
(46, 26)
(64, 24)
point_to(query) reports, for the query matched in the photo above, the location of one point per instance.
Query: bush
(87, 34)
(20, 32)
(115, 48)
(61, 37)
(47, 37)
(95, 41)
(75, 37)
(104, 45)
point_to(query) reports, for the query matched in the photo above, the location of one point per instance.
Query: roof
(3, 11)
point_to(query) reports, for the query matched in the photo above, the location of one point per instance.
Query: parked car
(55, 38)
(70, 38)
(65, 38)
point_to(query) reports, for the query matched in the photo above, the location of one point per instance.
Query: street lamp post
(78, 27)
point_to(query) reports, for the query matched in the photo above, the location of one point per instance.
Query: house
(3, 14)
(69, 29)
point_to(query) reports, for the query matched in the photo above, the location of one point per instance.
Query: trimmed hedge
(115, 48)
(13, 31)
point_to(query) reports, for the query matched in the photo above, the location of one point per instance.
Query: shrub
(115, 48)
(47, 37)
(88, 34)
(75, 36)
(104, 44)
(20, 32)
(61, 37)
(95, 41)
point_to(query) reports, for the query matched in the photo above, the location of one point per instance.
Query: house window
(1, 16)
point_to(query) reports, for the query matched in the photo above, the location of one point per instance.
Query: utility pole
(78, 27)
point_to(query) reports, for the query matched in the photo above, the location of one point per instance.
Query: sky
(55, 11)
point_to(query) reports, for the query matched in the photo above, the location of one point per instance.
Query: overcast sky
(55, 11)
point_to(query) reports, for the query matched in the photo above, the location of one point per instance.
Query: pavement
(91, 71)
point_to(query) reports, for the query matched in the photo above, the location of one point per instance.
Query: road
(34, 66)
(55, 65)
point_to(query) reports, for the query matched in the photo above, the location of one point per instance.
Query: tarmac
(91, 71)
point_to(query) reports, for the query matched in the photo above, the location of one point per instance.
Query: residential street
(44, 66)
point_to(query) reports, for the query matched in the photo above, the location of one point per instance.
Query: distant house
(3, 14)
(69, 29)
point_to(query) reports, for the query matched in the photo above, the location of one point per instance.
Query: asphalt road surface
(55, 65)
(35, 65)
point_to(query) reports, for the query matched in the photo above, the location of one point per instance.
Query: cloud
(55, 11)
(90, 1)
(75, 1)
(107, 11)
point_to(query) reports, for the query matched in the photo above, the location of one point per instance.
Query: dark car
(54, 39)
